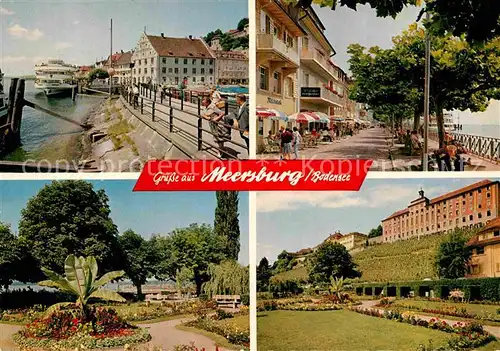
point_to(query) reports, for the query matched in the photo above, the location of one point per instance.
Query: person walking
(183, 86)
(242, 118)
(297, 140)
(220, 131)
(287, 138)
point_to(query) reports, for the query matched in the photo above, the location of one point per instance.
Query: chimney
(163, 35)
(190, 37)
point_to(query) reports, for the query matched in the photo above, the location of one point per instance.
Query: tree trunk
(440, 124)
(140, 296)
(416, 121)
(199, 283)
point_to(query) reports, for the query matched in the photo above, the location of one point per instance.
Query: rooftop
(180, 47)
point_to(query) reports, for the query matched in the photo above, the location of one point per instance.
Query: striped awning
(323, 117)
(303, 117)
(264, 112)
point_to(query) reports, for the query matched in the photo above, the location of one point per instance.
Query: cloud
(372, 197)
(24, 33)
(6, 12)
(76, 22)
(62, 45)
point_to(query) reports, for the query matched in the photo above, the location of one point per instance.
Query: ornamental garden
(407, 295)
(60, 278)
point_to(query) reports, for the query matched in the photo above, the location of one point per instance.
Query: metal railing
(485, 147)
(149, 103)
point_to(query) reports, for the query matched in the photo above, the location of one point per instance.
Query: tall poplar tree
(226, 222)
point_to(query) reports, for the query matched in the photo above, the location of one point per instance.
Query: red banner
(253, 175)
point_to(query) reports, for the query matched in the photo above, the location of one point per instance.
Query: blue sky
(296, 220)
(144, 212)
(345, 26)
(78, 31)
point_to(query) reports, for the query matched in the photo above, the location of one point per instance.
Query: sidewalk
(370, 144)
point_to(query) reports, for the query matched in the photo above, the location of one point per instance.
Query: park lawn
(339, 330)
(481, 310)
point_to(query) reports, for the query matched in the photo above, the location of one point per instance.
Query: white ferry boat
(55, 77)
(3, 98)
(449, 126)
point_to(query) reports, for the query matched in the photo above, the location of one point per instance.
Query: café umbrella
(264, 112)
(303, 117)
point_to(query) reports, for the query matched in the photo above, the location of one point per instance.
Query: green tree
(81, 280)
(376, 232)
(16, 263)
(138, 259)
(227, 278)
(263, 275)
(452, 256)
(478, 20)
(284, 262)
(98, 73)
(242, 23)
(208, 38)
(194, 247)
(69, 218)
(184, 279)
(226, 222)
(331, 260)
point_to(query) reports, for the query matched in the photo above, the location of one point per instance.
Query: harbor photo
(91, 92)
(91, 265)
(334, 83)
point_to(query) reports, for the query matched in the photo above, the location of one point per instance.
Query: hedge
(474, 289)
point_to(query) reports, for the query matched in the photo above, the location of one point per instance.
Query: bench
(231, 300)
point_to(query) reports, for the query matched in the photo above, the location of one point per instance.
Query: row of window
(277, 85)
(175, 80)
(464, 220)
(175, 70)
(176, 61)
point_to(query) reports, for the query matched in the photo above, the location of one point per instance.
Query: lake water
(39, 129)
(486, 130)
(233, 89)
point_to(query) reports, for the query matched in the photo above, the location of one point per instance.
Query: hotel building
(164, 60)
(319, 79)
(231, 67)
(278, 58)
(472, 206)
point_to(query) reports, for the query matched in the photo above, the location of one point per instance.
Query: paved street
(185, 135)
(372, 144)
(375, 144)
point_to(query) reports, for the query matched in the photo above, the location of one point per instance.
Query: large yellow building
(485, 261)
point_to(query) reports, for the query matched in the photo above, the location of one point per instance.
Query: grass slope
(339, 330)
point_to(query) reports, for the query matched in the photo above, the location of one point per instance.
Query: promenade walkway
(184, 135)
(376, 144)
(370, 304)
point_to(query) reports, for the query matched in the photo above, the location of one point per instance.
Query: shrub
(232, 333)
(265, 295)
(245, 300)
(220, 314)
(26, 298)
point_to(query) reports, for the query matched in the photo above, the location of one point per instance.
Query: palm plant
(336, 286)
(81, 280)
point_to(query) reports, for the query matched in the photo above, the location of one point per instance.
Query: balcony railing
(323, 94)
(271, 42)
(320, 61)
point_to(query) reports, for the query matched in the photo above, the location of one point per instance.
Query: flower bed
(468, 335)
(303, 304)
(100, 328)
(234, 334)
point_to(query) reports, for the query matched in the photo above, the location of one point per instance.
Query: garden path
(370, 304)
(6, 331)
(164, 334)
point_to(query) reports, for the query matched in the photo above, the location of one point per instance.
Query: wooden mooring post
(10, 132)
